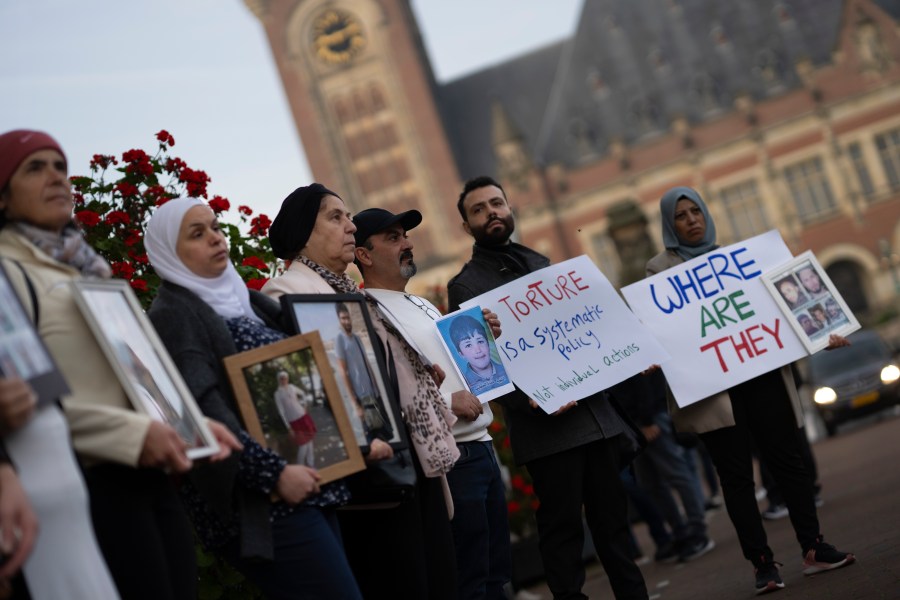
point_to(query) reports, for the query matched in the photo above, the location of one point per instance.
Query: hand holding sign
(567, 333)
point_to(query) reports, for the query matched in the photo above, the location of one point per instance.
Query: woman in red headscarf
(138, 519)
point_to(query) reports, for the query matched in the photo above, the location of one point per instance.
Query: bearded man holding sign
(572, 454)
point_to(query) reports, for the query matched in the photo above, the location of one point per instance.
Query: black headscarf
(295, 220)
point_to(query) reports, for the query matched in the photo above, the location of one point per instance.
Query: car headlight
(824, 395)
(890, 374)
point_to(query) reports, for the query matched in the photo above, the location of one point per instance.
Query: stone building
(782, 113)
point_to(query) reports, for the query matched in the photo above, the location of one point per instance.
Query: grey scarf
(68, 247)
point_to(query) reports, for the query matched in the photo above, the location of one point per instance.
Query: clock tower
(361, 91)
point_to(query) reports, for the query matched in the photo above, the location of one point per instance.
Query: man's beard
(408, 269)
(495, 237)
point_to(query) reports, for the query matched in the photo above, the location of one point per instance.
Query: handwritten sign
(715, 317)
(567, 334)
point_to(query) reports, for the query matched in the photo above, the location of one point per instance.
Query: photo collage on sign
(811, 302)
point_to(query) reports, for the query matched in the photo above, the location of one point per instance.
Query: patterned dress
(259, 467)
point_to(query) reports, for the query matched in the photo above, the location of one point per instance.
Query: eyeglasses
(420, 304)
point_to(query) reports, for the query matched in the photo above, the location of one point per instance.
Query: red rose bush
(115, 201)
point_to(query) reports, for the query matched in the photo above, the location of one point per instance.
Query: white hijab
(226, 294)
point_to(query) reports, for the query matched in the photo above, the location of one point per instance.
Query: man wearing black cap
(571, 455)
(480, 526)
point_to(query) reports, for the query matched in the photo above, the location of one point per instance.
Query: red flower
(513, 507)
(88, 218)
(495, 427)
(257, 283)
(139, 284)
(135, 156)
(140, 259)
(102, 161)
(196, 181)
(122, 269)
(162, 200)
(141, 168)
(518, 482)
(219, 204)
(255, 262)
(126, 189)
(165, 137)
(154, 190)
(260, 225)
(505, 442)
(245, 210)
(528, 489)
(118, 216)
(78, 198)
(174, 165)
(132, 239)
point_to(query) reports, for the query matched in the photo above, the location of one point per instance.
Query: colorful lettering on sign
(697, 282)
(747, 344)
(538, 295)
(718, 317)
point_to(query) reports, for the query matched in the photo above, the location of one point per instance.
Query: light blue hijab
(670, 238)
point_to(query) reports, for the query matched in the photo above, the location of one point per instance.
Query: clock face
(337, 37)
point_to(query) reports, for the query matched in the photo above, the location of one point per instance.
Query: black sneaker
(775, 512)
(825, 557)
(696, 549)
(767, 577)
(667, 553)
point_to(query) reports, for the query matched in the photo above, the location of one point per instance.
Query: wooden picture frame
(22, 351)
(375, 415)
(141, 362)
(810, 301)
(290, 402)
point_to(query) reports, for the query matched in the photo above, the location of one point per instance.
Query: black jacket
(198, 339)
(490, 268)
(532, 433)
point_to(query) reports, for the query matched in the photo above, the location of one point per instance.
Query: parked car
(851, 382)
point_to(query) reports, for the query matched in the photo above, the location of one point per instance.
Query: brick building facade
(782, 113)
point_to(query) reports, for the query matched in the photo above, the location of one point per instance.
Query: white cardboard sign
(567, 334)
(717, 320)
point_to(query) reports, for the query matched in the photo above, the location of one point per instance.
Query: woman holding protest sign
(764, 411)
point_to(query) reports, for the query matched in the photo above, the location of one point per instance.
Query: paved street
(860, 473)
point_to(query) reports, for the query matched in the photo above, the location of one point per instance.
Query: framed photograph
(469, 340)
(22, 351)
(290, 403)
(357, 359)
(810, 302)
(140, 360)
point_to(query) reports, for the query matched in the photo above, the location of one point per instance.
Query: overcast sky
(103, 76)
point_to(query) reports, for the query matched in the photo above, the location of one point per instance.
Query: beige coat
(297, 279)
(103, 423)
(714, 412)
(300, 279)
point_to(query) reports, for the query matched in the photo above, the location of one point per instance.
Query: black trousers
(403, 552)
(143, 532)
(584, 478)
(763, 415)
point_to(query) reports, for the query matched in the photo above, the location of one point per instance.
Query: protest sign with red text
(717, 320)
(567, 334)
